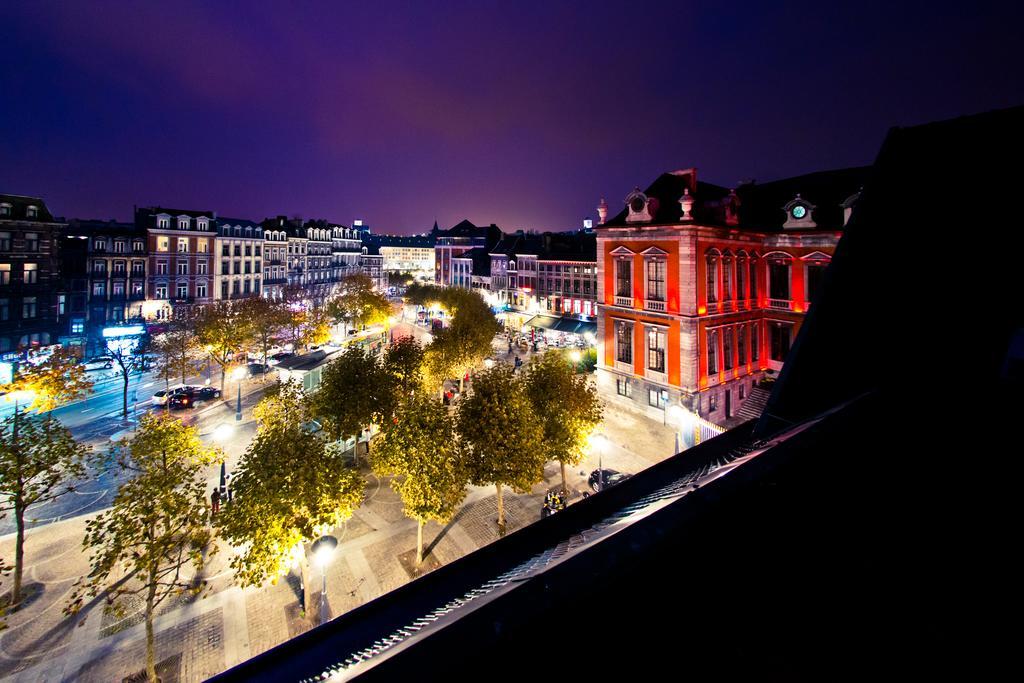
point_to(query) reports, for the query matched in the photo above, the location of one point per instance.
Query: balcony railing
(780, 304)
(626, 301)
(654, 305)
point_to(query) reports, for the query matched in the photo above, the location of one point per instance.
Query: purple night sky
(519, 113)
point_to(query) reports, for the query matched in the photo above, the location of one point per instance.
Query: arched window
(741, 278)
(728, 293)
(712, 258)
(752, 271)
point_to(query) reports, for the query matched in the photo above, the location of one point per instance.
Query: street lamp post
(323, 552)
(599, 443)
(575, 356)
(239, 374)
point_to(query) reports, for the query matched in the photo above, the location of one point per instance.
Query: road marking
(147, 386)
(85, 410)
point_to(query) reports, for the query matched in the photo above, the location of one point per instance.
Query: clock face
(636, 204)
(799, 211)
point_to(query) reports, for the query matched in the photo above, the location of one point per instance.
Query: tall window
(161, 291)
(712, 284)
(99, 267)
(752, 265)
(28, 307)
(183, 268)
(182, 290)
(118, 289)
(656, 349)
(5, 309)
(5, 273)
(224, 289)
(203, 246)
(778, 280)
(119, 246)
(163, 243)
(201, 268)
(119, 267)
(755, 350)
(31, 273)
(780, 341)
(201, 290)
(815, 276)
(182, 245)
(712, 352)
(655, 280)
(31, 241)
(623, 342)
(623, 279)
(741, 268)
(727, 348)
(136, 289)
(741, 345)
(727, 294)
(5, 241)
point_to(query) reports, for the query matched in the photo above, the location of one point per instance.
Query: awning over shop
(546, 322)
(566, 325)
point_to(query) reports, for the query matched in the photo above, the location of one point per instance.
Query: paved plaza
(199, 637)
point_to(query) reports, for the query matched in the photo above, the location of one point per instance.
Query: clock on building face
(799, 211)
(636, 204)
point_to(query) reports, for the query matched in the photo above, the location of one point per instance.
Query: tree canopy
(421, 452)
(567, 405)
(288, 489)
(154, 540)
(502, 434)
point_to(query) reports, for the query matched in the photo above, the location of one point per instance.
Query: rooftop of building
(20, 205)
(758, 206)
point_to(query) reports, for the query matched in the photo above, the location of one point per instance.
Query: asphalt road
(97, 420)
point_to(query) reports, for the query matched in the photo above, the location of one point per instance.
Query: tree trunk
(501, 512)
(222, 369)
(564, 487)
(419, 542)
(150, 639)
(127, 378)
(19, 552)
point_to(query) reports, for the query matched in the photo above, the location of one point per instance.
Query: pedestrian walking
(228, 485)
(215, 499)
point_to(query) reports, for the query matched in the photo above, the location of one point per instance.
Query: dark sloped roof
(761, 204)
(19, 208)
(93, 226)
(244, 222)
(421, 241)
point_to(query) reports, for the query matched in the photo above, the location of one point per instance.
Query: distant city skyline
(520, 115)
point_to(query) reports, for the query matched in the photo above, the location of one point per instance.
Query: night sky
(519, 113)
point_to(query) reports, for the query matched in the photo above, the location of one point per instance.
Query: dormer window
(5, 209)
(639, 206)
(182, 223)
(202, 224)
(32, 212)
(798, 214)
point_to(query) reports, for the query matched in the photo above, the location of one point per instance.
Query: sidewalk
(199, 638)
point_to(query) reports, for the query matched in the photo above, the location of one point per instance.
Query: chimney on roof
(602, 211)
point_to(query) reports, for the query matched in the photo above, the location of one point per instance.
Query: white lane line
(85, 410)
(148, 385)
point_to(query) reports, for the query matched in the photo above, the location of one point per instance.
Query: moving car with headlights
(190, 396)
(160, 397)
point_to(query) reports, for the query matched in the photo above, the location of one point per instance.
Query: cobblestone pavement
(200, 637)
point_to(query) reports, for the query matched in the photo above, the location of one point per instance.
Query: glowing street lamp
(239, 374)
(323, 552)
(223, 432)
(575, 356)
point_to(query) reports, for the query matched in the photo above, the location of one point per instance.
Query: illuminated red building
(702, 288)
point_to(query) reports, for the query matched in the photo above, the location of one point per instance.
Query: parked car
(189, 396)
(278, 357)
(602, 479)
(257, 369)
(99, 363)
